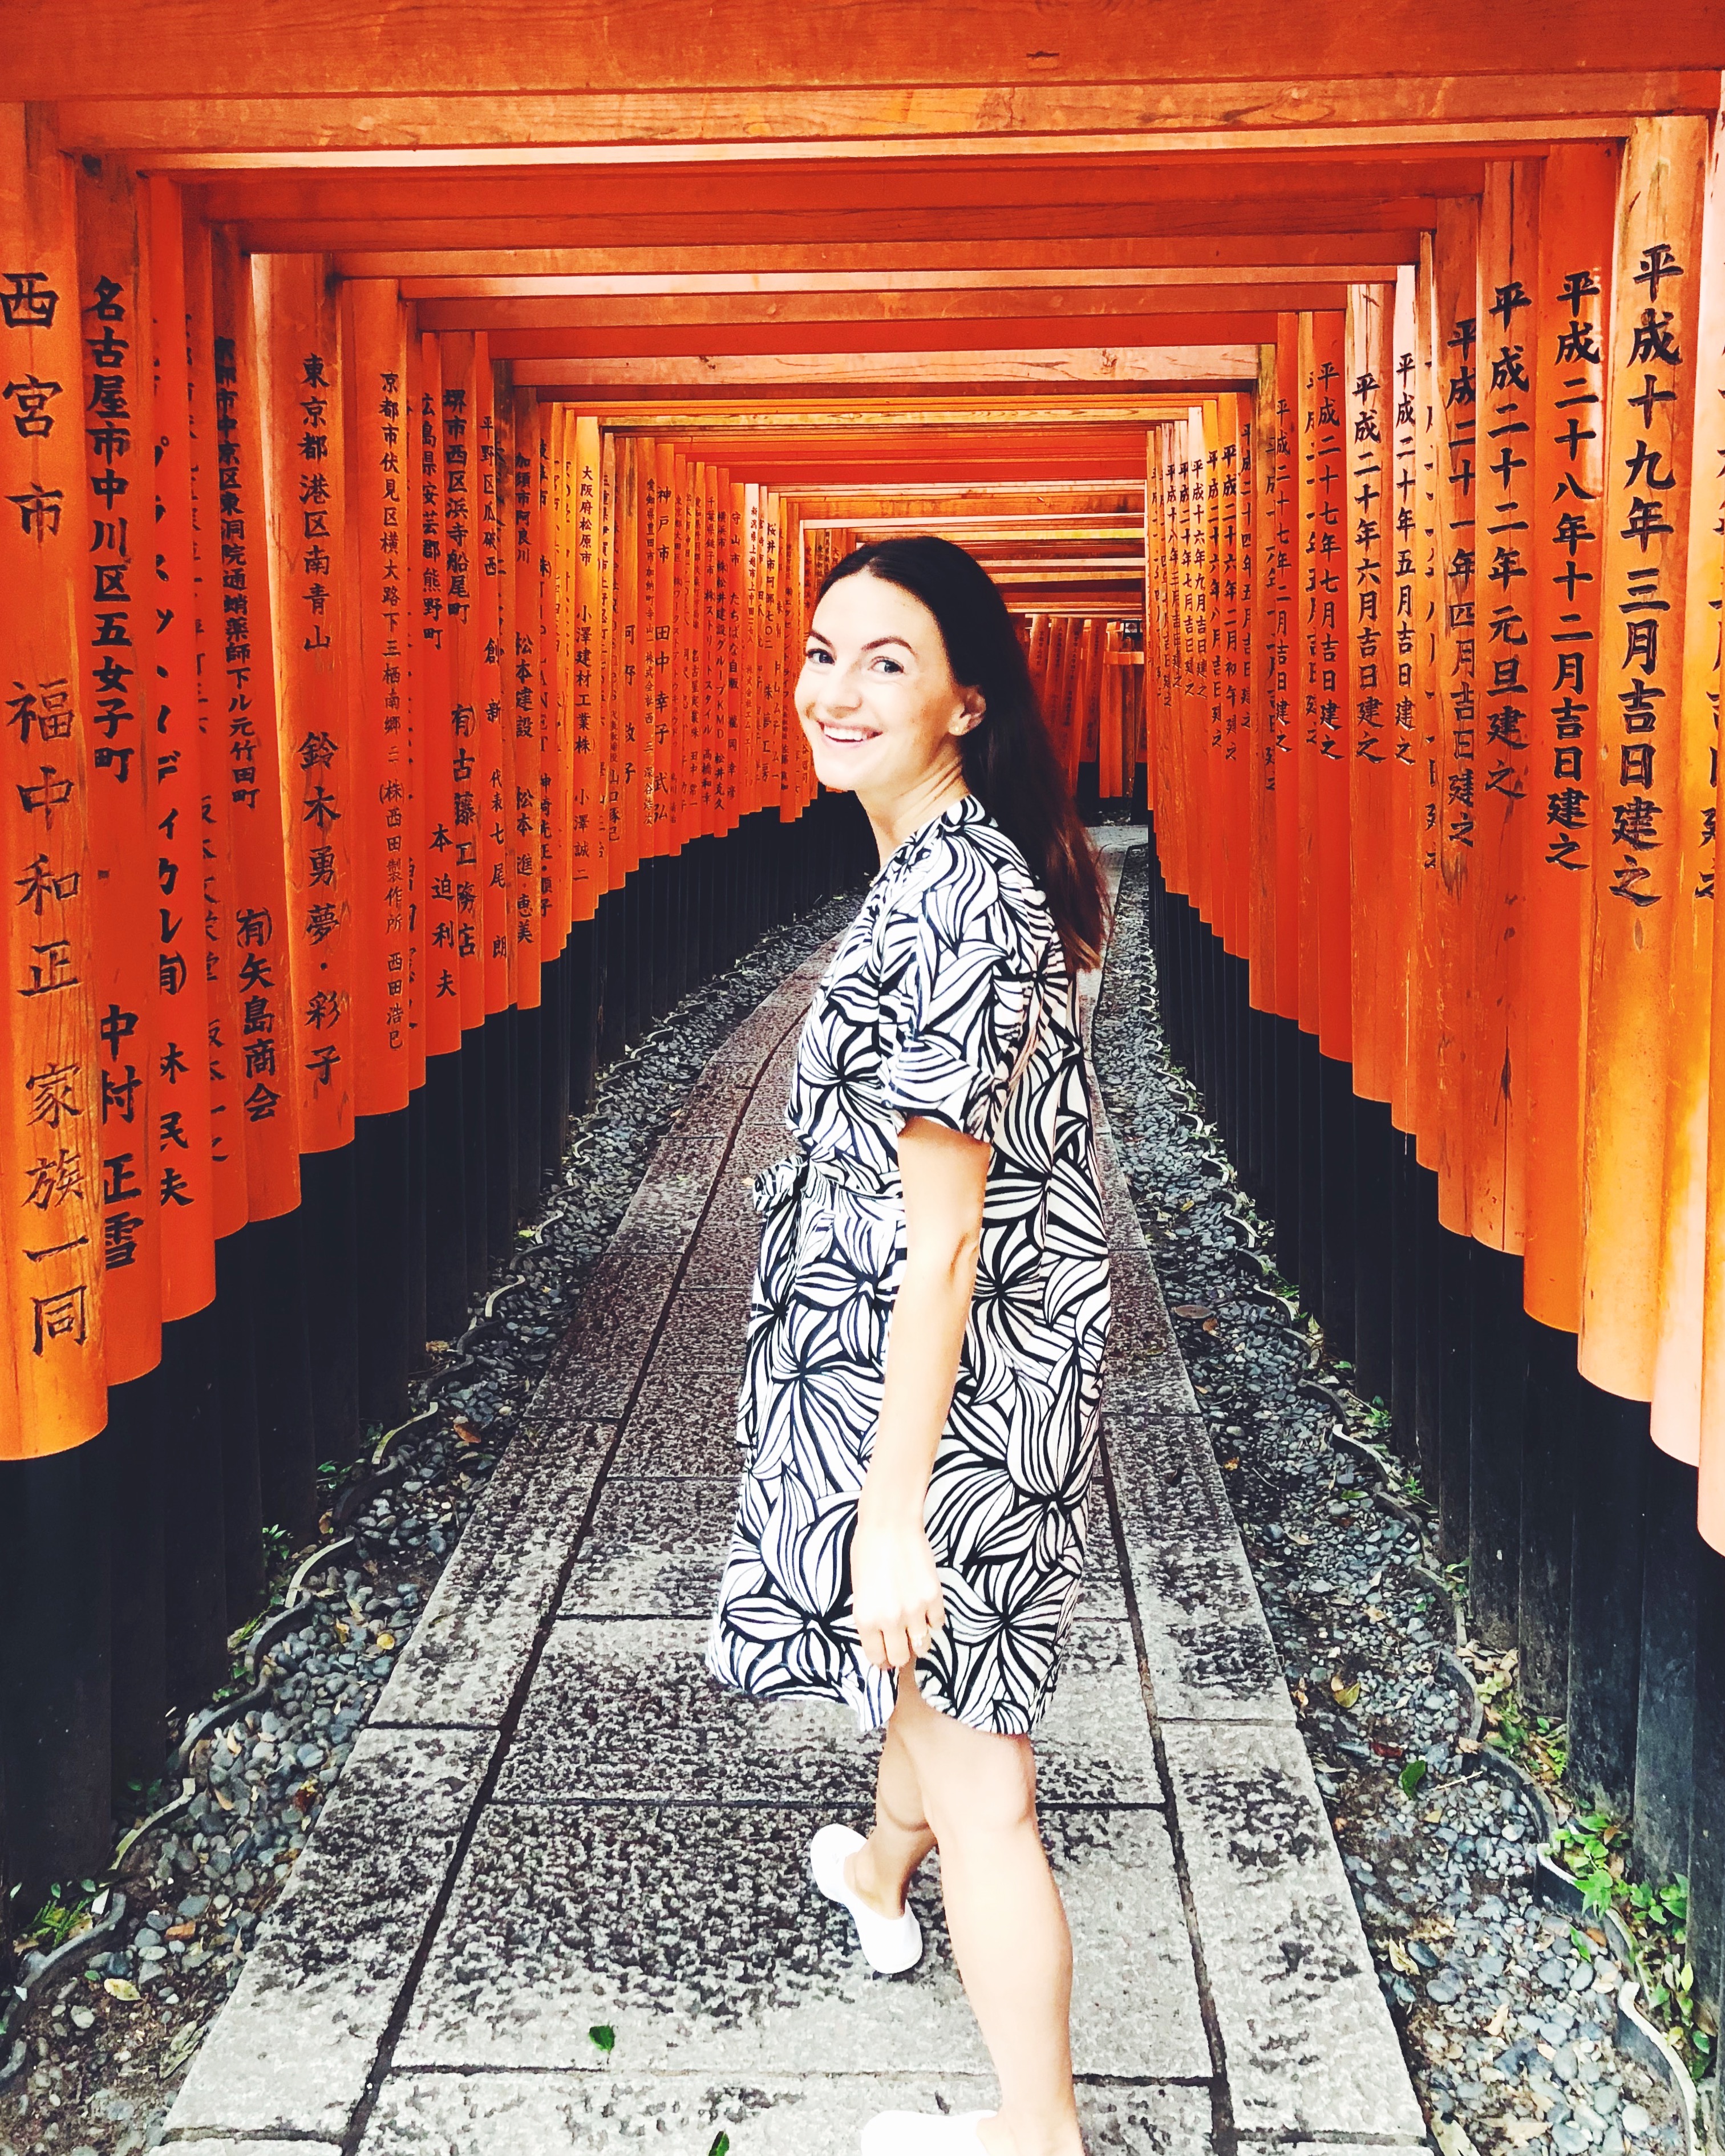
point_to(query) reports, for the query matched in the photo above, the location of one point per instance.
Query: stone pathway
(554, 1826)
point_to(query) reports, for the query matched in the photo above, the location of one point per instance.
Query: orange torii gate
(500, 441)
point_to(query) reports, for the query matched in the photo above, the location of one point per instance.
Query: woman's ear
(969, 717)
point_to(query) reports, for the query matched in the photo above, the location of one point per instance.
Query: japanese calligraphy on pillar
(434, 759)
(1649, 432)
(588, 841)
(219, 963)
(52, 1388)
(259, 1058)
(314, 680)
(116, 628)
(1375, 939)
(1505, 510)
(1456, 363)
(464, 617)
(1570, 332)
(495, 775)
(377, 431)
(184, 1168)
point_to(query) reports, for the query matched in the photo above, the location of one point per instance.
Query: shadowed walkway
(555, 1823)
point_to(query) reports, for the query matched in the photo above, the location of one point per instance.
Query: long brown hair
(1008, 760)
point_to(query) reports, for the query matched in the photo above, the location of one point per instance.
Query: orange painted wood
(434, 700)
(316, 665)
(541, 760)
(464, 632)
(378, 429)
(494, 776)
(52, 1391)
(1310, 676)
(1455, 303)
(1630, 1021)
(221, 956)
(1328, 600)
(1287, 730)
(1677, 1405)
(1244, 690)
(1374, 928)
(116, 627)
(588, 846)
(1497, 868)
(1423, 1115)
(246, 704)
(1268, 627)
(185, 1170)
(1406, 642)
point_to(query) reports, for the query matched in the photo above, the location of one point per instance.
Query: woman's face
(876, 696)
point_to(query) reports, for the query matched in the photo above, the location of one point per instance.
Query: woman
(920, 1402)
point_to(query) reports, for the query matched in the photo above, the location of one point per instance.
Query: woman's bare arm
(896, 1595)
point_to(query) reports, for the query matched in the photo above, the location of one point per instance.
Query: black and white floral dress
(948, 998)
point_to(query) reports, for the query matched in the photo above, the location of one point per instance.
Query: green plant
(278, 1547)
(62, 1914)
(1595, 1848)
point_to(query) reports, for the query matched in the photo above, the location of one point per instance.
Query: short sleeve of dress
(956, 1005)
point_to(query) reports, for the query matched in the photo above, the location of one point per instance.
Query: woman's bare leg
(1008, 1929)
(881, 1870)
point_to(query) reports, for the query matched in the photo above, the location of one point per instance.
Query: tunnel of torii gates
(422, 437)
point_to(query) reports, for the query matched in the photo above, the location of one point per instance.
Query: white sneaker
(889, 1944)
(924, 2133)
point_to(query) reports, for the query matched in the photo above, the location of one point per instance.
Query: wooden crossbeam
(1189, 365)
(428, 273)
(512, 323)
(159, 117)
(1112, 283)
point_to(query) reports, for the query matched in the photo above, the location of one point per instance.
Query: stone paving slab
(1309, 2042)
(584, 2114)
(623, 1708)
(683, 1422)
(471, 1644)
(641, 1862)
(656, 1547)
(1206, 1639)
(290, 2052)
(693, 1932)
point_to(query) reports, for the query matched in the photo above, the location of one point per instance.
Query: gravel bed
(96, 2065)
(1507, 2013)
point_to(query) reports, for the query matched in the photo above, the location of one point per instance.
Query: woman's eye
(891, 666)
(815, 657)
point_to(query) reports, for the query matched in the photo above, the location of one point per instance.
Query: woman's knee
(984, 1787)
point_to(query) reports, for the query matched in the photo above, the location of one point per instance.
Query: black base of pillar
(328, 1217)
(1610, 1478)
(189, 1419)
(1373, 1274)
(446, 1287)
(242, 1493)
(56, 1674)
(1665, 1714)
(1497, 1379)
(1554, 1405)
(381, 1162)
(287, 1440)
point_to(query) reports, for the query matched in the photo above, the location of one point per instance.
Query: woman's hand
(895, 1591)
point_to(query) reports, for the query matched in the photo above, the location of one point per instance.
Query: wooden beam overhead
(437, 268)
(1109, 285)
(723, 195)
(798, 321)
(241, 90)
(1150, 366)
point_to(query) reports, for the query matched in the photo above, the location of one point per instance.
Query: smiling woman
(919, 1410)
